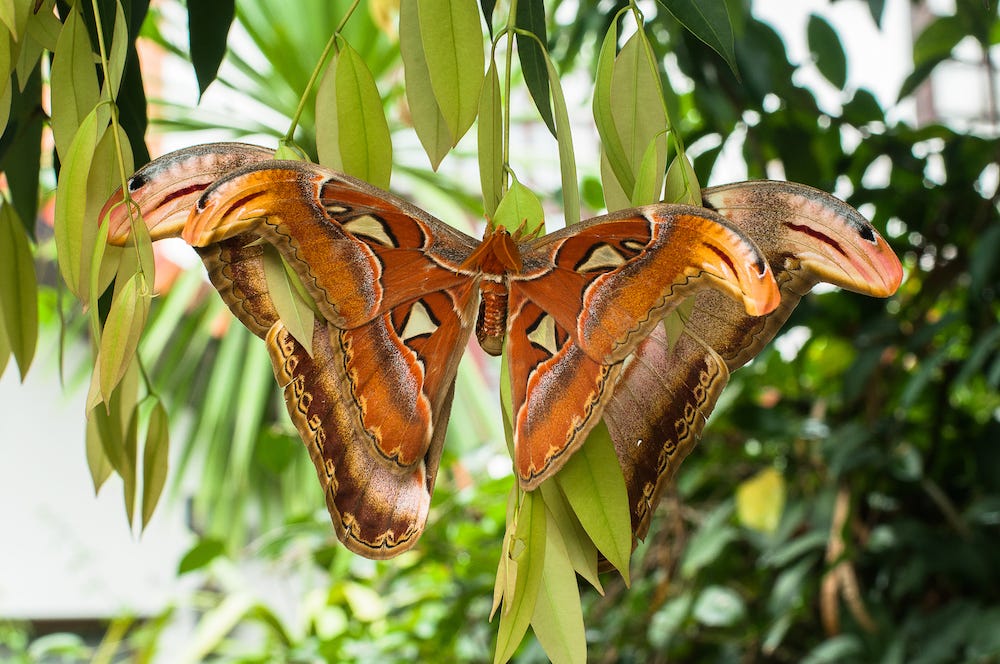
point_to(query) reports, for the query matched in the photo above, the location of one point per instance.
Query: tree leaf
(938, 39)
(116, 56)
(490, 141)
(97, 460)
(708, 20)
(528, 545)
(18, 289)
(294, 312)
(328, 118)
(682, 182)
(580, 548)
(824, 43)
(593, 484)
(520, 209)
(74, 87)
(124, 325)
(533, 58)
(208, 28)
(155, 460)
(200, 555)
(567, 158)
(365, 146)
(453, 48)
(428, 120)
(558, 617)
(604, 115)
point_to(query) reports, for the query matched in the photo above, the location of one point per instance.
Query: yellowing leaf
(428, 121)
(18, 289)
(760, 500)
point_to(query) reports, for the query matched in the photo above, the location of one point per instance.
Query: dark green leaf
(200, 555)
(488, 6)
(18, 289)
(863, 108)
(208, 29)
(828, 52)
(531, 17)
(708, 20)
(938, 39)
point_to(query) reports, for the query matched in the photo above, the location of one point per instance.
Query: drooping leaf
(708, 20)
(155, 460)
(117, 54)
(490, 141)
(533, 57)
(682, 182)
(428, 120)
(208, 29)
(520, 209)
(97, 460)
(124, 325)
(74, 87)
(604, 115)
(580, 549)
(328, 118)
(567, 157)
(130, 476)
(365, 146)
(453, 48)
(824, 43)
(648, 179)
(558, 617)
(294, 312)
(20, 158)
(18, 289)
(593, 484)
(528, 551)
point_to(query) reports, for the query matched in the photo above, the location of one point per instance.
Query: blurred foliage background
(844, 503)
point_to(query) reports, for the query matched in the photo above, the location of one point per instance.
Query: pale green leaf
(528, 551)
(490, 140)
(718, 606)
(8, 15)
(365, 145)
(649, 177)
(214, 626)
(44, 27)
(5, 99)
(130, 477)
(74, 87)
(428, 121)
(70, 220)
(4, 348)
(155, 460)
(103, 179)
(506, 568)
(760, 500)
(97, 460)
(564, 138)
(117, 54)
(327, 118)
(520, 209)
(604, 116)
(594, 486)
(122, 329)
(453, 47)
(18, 289)
(295, 313)
(615, 197)
(682, 182)
(580, 548)
(558, 617)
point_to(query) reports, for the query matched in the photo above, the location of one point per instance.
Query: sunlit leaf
(122, 330)
(529, 554)
(490, 140)
(328, 118)
(155, 460)
(365, 146)
(18, 289)
(428, 120)
(558, 616)
(708, 20)
(74, 81)
(682, 182)
(520, 209)
(208, 29)
(594, 486)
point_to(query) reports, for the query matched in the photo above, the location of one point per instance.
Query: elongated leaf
(529, 554)
(21, 157)
(365, 146)
(580, 548)
(506, 568)
(103, 179)
(604, 115)
(827, 50)
(615, 197)
(488, 6)
(97, 461)
(682, 182)
(294, 312)
(648, 179)
(8, 15)
(122, 330)
(208, 29)
(558, 617)
(453, 48)
(328, 118)
(594, 486)
(117, 54)
(74, 81)
(130, 478)
(531, 17)
(520, 209)
(567, 157)
(70, 222)
(490, 135)
(4, 348)
(155, 460)
(18, 289)
(200, 555)
(708, 20)
(428, 120)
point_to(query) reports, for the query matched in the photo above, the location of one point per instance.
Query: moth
(580, 310)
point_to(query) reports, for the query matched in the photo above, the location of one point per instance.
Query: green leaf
(615, 197)
(7, 15)
(97, 460)
(22, 157)
(604, 116)
(365, 146)
(649, 179)
(428, 120)
(528, 552)
(567, 158)
(938, 40)
(297, 316)
(580, 548)
(103, 179)
(682, 182)
(117, 54)
(708, 541)
(520, 209)
(130, 474)
(558, 617)
(74, 87)
(488, 6)
(534, 66)
(155, 460)
(490, 141)
(208, 28)
(708, 20)
(594, 486)
(4, 346)
(718, 606)
(18, 289)
(200, 555)
(122, 330)
(453, 47)
(827, 51)
(70, 221)
(328, 118)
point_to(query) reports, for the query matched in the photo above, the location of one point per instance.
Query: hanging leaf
(558, 617)
(488, 6)
(708, 20)
(580, 548)
(18, 289)
(453, 48)
(827, 51)
(520, 209)
(97, 461)
(21, 154)
(295, 313)
(615, 197)
(155, 460)
(74, 87)
(122, 330)
(604, 115)
(428, 120)
(648, 179)
(533, 57)
(528, 552)
(567, 158)
(130, 476)
(208, 29)
(682, 182)
(365, 146)
(117, 54)
(593, 484)
(490, 140)
(328, 118)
